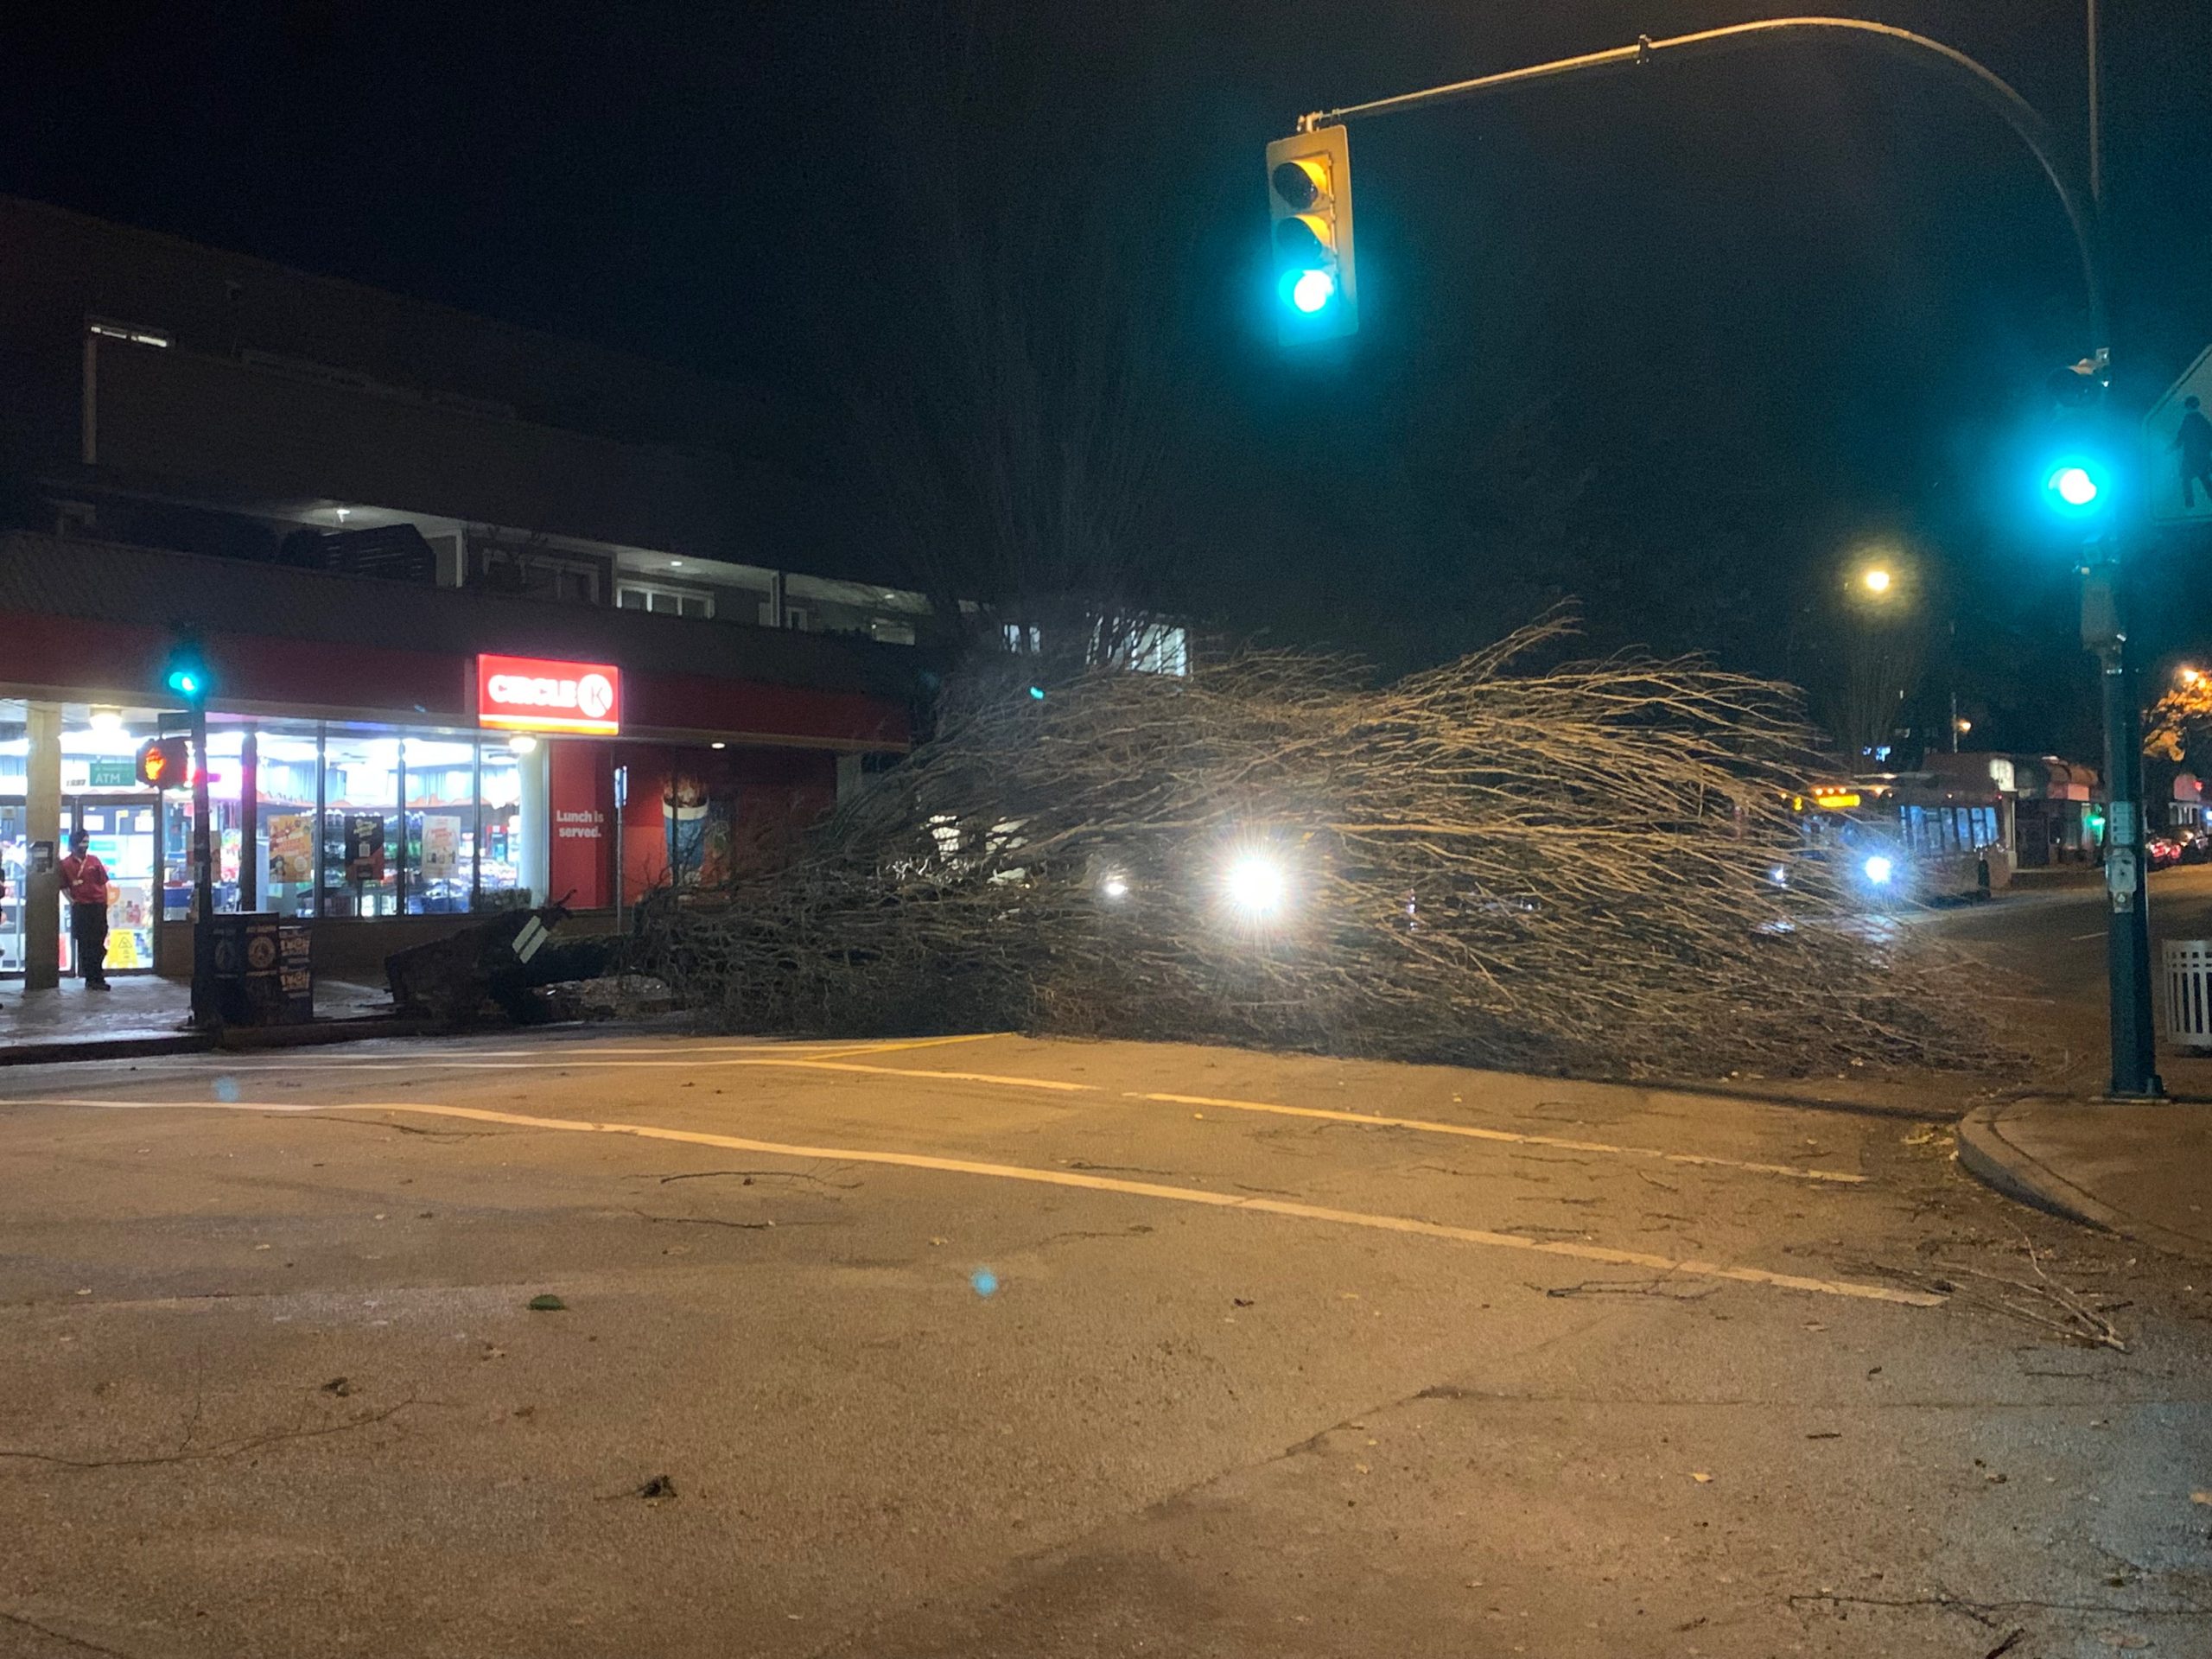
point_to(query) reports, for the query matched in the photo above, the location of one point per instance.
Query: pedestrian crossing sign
(2179, 431)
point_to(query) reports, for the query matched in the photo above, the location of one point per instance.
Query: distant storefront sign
(536, 694)
(106, 773)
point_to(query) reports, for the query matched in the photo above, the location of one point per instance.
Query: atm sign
(532, 694)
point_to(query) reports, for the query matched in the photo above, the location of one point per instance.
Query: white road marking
(1287, 1208)
(542, 1062)
(1428, 1126)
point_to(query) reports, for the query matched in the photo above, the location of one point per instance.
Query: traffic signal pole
(2128, 948)
(2127, 891)
(204, 1013)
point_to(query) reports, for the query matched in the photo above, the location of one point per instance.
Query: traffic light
(164, 763)
(2078, 464)
(1309, 200)
(2077, 485)
(186, 672)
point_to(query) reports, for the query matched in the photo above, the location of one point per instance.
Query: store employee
(84, 879)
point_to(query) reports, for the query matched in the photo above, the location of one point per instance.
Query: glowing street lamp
(1877, 580)
(1256, 886)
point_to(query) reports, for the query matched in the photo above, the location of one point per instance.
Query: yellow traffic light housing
(1309, 204)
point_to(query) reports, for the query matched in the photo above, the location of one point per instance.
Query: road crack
(216, 1452)
(52, 1635)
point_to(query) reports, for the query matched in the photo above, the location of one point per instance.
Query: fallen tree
(1497, 863)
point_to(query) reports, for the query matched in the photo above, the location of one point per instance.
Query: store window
(441, 824)
(361, 823)
(500, 878)
(284, 834)
(416, 822)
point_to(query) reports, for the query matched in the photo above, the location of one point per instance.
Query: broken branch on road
(1450, 871)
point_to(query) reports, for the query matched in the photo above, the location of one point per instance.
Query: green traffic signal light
(2078, 487)
(186, 672)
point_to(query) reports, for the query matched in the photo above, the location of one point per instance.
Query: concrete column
(850, 777)
(43, 822)
(535, 829)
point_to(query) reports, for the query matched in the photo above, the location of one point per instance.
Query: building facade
(490, 619)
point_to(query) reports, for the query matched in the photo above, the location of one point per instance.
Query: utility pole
(2073, 485)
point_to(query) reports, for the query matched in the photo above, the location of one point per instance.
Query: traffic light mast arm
(1985, 82)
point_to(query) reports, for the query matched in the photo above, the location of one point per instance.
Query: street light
(1877, 580)
(1256, 886)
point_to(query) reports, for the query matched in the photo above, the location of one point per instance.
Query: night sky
(1674, 344)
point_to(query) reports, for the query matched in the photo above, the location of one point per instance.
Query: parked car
(2160, 852)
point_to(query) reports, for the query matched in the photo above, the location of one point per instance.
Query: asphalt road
(2050, 947)
(1011, 1348)
(2056, 937)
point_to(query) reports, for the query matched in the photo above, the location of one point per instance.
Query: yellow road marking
(1659, 1264)
(1051, 1084)
(1431, 1126)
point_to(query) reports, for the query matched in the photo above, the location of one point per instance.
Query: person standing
(84, 880)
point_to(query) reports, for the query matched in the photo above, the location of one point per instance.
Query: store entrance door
(15, 868)
(121, 830)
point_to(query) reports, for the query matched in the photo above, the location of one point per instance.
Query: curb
(1985, 1154)
(332, 1031)
(104, 1048)
(236, 1038)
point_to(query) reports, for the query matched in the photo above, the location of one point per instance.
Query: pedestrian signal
(164, 763)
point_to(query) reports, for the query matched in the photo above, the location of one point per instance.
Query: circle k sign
(533, 694)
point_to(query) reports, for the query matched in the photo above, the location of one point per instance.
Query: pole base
(2154, 1088)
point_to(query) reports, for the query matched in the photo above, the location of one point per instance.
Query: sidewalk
(144, 1014)
(2136, 1170)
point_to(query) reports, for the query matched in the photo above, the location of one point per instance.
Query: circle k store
(385, 792)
